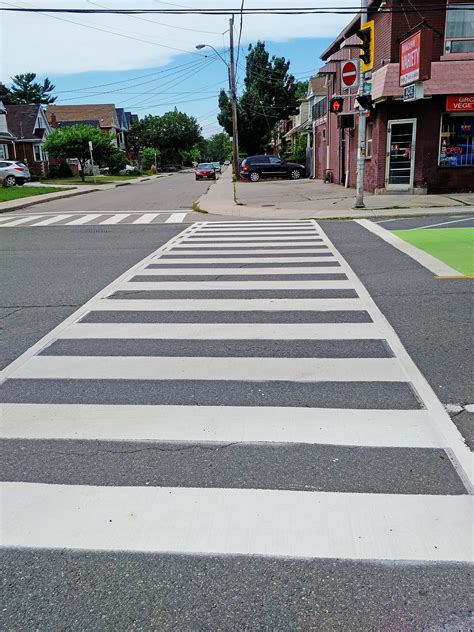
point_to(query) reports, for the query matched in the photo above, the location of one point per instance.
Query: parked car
(13, 172)
(217, 167)
(256, 167)
(205, 170)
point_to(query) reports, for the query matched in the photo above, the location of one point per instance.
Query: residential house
(23, 130)
(103, 116)
(422, 145)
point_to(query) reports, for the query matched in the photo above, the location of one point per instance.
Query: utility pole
(359, 203)
(233, 96)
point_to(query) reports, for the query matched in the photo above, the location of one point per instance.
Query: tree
(116, 161)
(148, 157)
(173, 133)
(73, 142)
(269, 96)
(26, 90)
(5, 95)
(219, 147)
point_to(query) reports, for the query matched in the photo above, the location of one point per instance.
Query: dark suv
(256, 167)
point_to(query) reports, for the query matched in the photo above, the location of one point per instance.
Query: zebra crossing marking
(80, 219)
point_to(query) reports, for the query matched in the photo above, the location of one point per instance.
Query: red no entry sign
(349, 74)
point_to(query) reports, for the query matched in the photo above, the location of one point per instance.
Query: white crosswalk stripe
(80, 219)
(253, 363)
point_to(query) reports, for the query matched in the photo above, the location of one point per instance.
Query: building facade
(419, 146)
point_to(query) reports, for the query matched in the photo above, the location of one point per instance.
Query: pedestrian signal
(336, 105)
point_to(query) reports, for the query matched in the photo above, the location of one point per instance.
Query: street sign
(413, 92)
(349, 74)
(90, 145)
(415, 57)
(367, 87)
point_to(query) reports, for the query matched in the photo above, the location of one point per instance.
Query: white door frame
(399, 187)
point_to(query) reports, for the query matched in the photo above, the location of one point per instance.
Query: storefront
(457, 133)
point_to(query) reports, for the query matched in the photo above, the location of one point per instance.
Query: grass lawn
(453, 246)
(90, 180)
(7, 194)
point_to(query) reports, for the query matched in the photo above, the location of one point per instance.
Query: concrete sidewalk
(314, 199)
(80, 189)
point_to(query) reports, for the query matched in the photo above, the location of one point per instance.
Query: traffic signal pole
(359, 203)
(233, 96)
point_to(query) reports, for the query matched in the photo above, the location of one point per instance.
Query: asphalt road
(90, 440)
(174, 192)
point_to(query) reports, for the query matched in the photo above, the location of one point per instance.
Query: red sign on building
(415, 58)
(460, 103)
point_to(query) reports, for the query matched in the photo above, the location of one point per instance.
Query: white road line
(454, 221)
(115, 219)
(450, 436)
(429, 262)
(237, 271)
(233, 285)
(286, 260)
(84, 220)
(175, 218)
(109, 289)
(242, 239)
(329, 426)
(251, 233)
(51, 220)
(146, 218)
(197, 368)
(250, 247)
(22, 220)
(221, 331)
(249, 252)
(297, 524)
(230, 305)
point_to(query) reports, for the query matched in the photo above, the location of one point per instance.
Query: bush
(116, 162)
(148, 157)
(60, 171)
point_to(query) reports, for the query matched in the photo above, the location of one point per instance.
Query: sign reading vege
(415, 57)
(460, 103)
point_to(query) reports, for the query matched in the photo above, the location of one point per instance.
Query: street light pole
(233, 96)
(359, 203)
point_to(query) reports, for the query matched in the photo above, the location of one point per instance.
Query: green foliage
(5, 94)
(298, 153)
(73, 142)
(269, 96)
(116, 161)
(26, 90)
(301, 89)
(148, 157)
(219, 147)
(173, 133)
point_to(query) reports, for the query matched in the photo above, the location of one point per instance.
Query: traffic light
(365, 102)
(336, 105)
(366, 34)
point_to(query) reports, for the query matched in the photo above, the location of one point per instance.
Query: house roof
(318, 85)
(21, 119)
(104, 113)
(71, 123)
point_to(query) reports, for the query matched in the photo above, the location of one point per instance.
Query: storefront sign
(415, 57)
(460, 103)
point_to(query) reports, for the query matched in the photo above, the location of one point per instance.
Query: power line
(240, 31)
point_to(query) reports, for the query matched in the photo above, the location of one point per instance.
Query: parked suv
(256, 167)
(13, 172)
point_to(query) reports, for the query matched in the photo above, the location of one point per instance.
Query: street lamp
(232, 89)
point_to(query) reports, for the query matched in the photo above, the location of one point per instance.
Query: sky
(148, 63)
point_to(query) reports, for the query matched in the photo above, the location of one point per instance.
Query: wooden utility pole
(233, 96)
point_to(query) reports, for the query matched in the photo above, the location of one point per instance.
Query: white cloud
(70, 43)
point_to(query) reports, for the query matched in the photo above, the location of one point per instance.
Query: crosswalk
(92, 219)
(251, 349)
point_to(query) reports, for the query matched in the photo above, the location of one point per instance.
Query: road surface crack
(147, 449)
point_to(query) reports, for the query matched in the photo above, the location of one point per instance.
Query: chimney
(53, 122)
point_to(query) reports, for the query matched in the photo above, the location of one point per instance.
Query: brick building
(422, 146)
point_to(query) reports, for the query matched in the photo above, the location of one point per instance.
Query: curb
(50, 197)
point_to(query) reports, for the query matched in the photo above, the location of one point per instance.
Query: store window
(369, 130)
(460, 28)
(457, 141)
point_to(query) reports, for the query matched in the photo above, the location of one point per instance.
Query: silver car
(13, 172)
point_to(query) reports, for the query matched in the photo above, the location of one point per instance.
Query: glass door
(400, 154)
